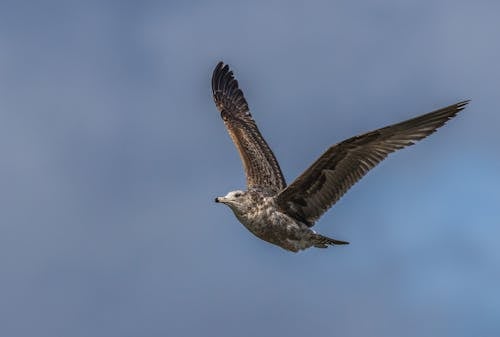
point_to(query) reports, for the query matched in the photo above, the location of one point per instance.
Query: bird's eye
(237, 195)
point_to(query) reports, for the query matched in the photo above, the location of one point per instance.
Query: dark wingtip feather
(450, 112)
(221, 77)
(461, 105)
(225, 90)
(216, 75)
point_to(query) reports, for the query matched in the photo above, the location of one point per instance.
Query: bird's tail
(321, 241)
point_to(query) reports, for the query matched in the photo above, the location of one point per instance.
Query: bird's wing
(261, 167)
(343, 164)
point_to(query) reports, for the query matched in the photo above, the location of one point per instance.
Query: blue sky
(113, 151)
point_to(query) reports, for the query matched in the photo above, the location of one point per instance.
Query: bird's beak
(222, 200)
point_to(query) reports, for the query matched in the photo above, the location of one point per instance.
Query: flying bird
(283, 215)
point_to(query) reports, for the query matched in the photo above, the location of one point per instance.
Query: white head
(237, 200)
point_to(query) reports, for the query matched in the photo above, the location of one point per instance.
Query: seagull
(283, 214)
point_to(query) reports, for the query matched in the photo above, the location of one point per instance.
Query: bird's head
(236, 200)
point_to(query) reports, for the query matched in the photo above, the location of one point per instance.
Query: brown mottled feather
(261, 167)
(345, 163)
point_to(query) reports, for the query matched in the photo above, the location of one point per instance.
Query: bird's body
(283, 215)
(259, 212)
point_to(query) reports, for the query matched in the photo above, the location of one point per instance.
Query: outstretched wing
(343, 164)
(261, 167)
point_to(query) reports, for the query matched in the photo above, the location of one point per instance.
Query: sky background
(112, 152)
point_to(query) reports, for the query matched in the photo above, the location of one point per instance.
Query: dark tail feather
(321, 241)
